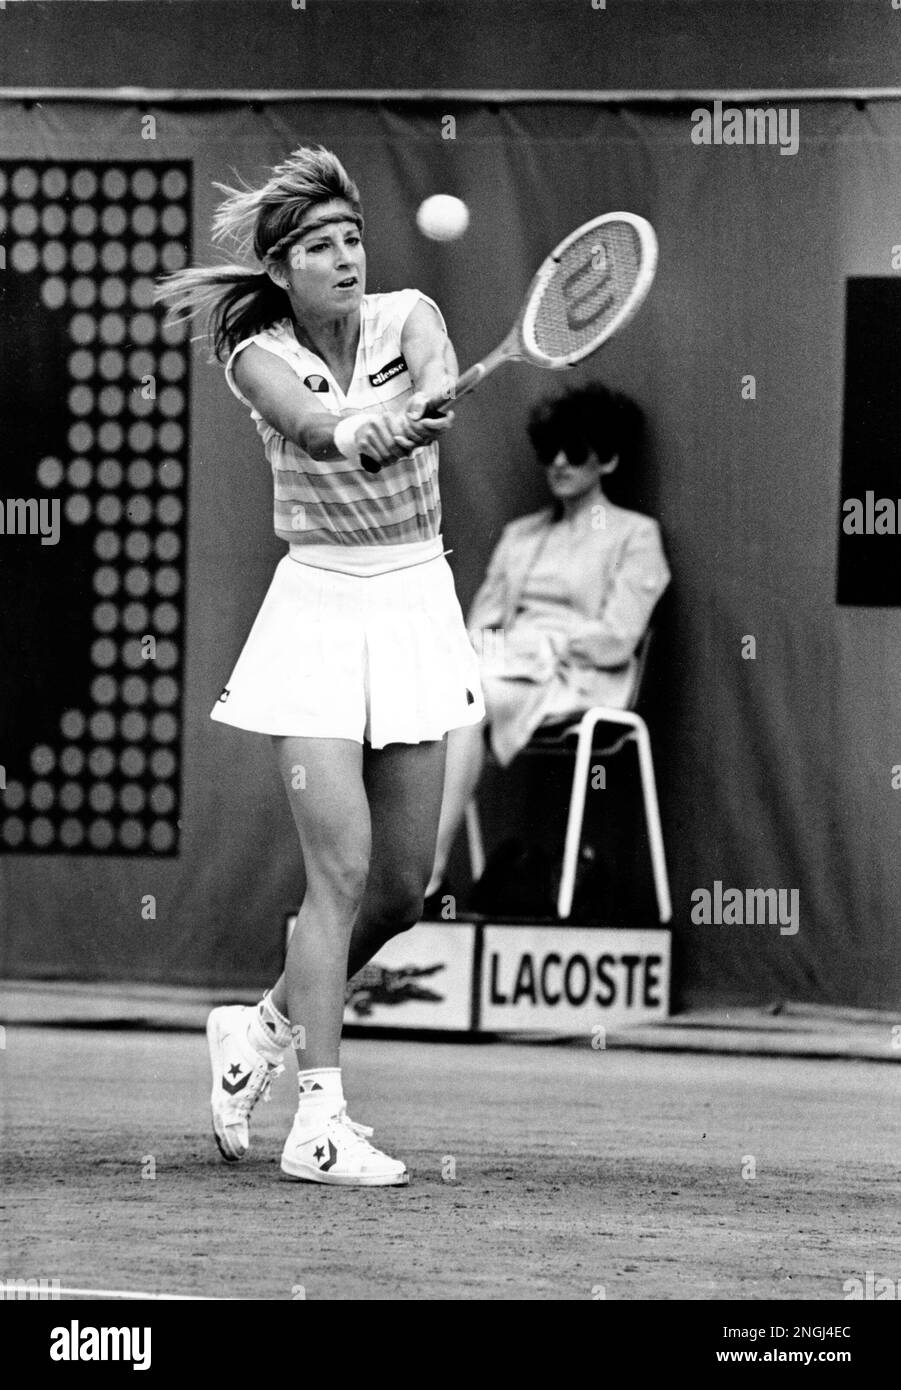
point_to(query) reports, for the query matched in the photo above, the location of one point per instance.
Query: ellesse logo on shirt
(316, 383)
(390, 369)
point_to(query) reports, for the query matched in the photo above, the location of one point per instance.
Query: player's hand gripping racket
(585, 291)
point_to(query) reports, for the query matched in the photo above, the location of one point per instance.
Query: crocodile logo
(377, 984)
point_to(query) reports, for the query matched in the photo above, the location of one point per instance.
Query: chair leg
(574, 821)
(655, 830)
(474, 841)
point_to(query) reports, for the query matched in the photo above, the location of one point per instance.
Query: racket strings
(590, 286)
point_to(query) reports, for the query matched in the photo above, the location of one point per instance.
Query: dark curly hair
(587, 419)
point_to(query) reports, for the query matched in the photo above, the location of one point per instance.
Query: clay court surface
(574, 1169)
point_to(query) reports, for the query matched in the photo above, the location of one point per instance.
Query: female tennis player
(358, 663)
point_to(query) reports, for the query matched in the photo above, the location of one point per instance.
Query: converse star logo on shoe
(233, 1087)
(331, 1160)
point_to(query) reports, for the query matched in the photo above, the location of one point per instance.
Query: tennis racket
(586, 290)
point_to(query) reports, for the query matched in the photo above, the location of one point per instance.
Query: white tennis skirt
(379, 658)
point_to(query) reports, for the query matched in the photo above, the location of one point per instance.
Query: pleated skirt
(378, 659)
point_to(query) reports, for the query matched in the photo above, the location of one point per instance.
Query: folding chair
(557, 738)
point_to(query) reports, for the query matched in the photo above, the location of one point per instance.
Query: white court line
(130, 1293)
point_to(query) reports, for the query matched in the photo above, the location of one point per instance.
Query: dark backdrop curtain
(774, 772)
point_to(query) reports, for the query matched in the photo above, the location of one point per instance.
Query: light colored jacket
(611, 571)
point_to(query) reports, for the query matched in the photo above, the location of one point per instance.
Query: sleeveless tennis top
(335, 501)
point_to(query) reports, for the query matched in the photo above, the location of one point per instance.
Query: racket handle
(439, 404)
(470, 379)
(436, 405)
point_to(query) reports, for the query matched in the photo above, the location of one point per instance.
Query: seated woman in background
(566, 600)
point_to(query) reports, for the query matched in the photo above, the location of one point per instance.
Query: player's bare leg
(404, 786)
(465, 760)
(323, 779)
(324, 782)
(372, 806)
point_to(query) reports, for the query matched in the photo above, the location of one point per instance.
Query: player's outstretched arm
(274, 390)
(432, 361)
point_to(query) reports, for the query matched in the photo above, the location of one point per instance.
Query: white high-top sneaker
(334, 1152)
(241, 1077)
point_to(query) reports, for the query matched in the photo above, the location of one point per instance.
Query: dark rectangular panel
(587, 45)
(869, 545)
(94, 401)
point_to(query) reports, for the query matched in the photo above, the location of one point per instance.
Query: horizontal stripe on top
(337, 501)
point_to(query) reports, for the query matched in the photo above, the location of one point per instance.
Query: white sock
(268, 1031)
(320, 1095)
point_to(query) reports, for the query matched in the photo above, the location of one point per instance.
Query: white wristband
(346, 434)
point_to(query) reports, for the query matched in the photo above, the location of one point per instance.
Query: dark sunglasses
(573, 463)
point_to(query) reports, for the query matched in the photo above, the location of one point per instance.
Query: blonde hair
(235, 300)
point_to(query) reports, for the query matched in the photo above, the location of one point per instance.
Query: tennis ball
(442, 217)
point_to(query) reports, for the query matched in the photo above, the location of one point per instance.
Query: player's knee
(401, 907)
(342, 878)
